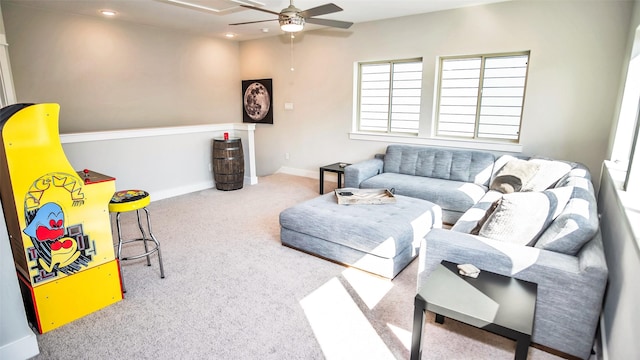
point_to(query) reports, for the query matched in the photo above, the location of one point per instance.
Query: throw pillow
(490, 210)
(513, 175)
(520, 218)
(550, 171)
(575, 226)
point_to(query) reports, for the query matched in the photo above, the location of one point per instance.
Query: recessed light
(230, 35)
(265, 30)
(108, 12)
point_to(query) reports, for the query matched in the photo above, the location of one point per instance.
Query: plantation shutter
(482, 97)
(390, 94)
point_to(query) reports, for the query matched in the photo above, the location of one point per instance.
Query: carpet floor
(232, 291)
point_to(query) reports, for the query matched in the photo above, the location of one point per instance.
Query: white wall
(576, 48)
(108, 74)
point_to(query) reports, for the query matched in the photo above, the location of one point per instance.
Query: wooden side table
(493, 302)
(337, 168)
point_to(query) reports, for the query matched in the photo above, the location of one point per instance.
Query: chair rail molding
(165, 161)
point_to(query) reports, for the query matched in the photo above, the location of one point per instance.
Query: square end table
(493, 302)
(337, 168)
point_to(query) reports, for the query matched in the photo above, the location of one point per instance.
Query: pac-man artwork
(58, 224)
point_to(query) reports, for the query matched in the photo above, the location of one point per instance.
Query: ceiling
(171, 14)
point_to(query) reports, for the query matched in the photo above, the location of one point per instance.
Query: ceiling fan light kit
(292, 19)
(291, 24)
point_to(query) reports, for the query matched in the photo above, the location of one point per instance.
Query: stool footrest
(147, 253)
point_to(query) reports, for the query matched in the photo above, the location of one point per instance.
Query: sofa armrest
(356, 173)
(522, 262)
(570, 288)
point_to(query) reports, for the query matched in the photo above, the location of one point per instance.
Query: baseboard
(328, 176)
(182, 190)
(299, 172)
(24, 348)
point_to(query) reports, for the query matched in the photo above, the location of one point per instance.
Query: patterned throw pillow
(514, 175)
(521, 217)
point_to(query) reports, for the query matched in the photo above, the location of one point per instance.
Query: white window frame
(625, 152)
(399, 122)
(7, 92)
(467, 116)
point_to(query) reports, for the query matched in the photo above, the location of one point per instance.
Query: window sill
(414, 140)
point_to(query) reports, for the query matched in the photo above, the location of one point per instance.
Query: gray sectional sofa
(532, 219)
(453, 179)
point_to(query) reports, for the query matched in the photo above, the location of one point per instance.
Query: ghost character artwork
(57, 247)
(257, 100)
(47, 232)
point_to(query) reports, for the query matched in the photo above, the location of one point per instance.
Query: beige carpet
(232, 291)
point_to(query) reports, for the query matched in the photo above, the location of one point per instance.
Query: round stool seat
(129, 200)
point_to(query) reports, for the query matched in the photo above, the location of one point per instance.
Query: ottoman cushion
(387, 231)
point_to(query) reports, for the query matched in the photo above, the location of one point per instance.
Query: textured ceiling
(215, 22)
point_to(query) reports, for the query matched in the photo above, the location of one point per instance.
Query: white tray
(364, 196)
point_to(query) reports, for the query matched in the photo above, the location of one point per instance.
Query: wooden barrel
(228, 164)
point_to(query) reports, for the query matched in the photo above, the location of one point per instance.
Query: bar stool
(130, 200)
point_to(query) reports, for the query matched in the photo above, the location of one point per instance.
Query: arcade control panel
(92, 177)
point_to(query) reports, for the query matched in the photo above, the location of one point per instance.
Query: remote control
(468, 270)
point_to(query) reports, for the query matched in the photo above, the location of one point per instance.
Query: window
(481, 97)
(625, 152)
(389, 96)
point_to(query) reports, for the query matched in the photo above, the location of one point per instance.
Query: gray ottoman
(382, 239)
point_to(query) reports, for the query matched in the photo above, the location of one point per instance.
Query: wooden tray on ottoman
(353, 196)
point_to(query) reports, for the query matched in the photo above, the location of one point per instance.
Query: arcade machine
(57, 219)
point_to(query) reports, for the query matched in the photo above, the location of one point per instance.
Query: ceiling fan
(292, 19)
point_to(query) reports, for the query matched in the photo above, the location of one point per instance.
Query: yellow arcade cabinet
(57, 219)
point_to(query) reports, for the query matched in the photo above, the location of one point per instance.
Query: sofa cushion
(521, 217)
(447, 164)
(575, 226)
(450, 195)
(513, 175)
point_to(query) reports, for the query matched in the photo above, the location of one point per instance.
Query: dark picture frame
(257, 101)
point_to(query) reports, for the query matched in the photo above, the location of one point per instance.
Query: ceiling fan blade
(327, 22)
(253, 22)
(320, 10)
(260, 9)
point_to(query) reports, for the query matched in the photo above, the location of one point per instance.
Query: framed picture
(257, 101)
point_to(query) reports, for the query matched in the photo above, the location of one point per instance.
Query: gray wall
(153, 77)
(621, 316)
(157, 77)
(110, 75)
(577, 50)
(17, 341)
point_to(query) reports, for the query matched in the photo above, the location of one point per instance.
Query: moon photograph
(257, 99)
